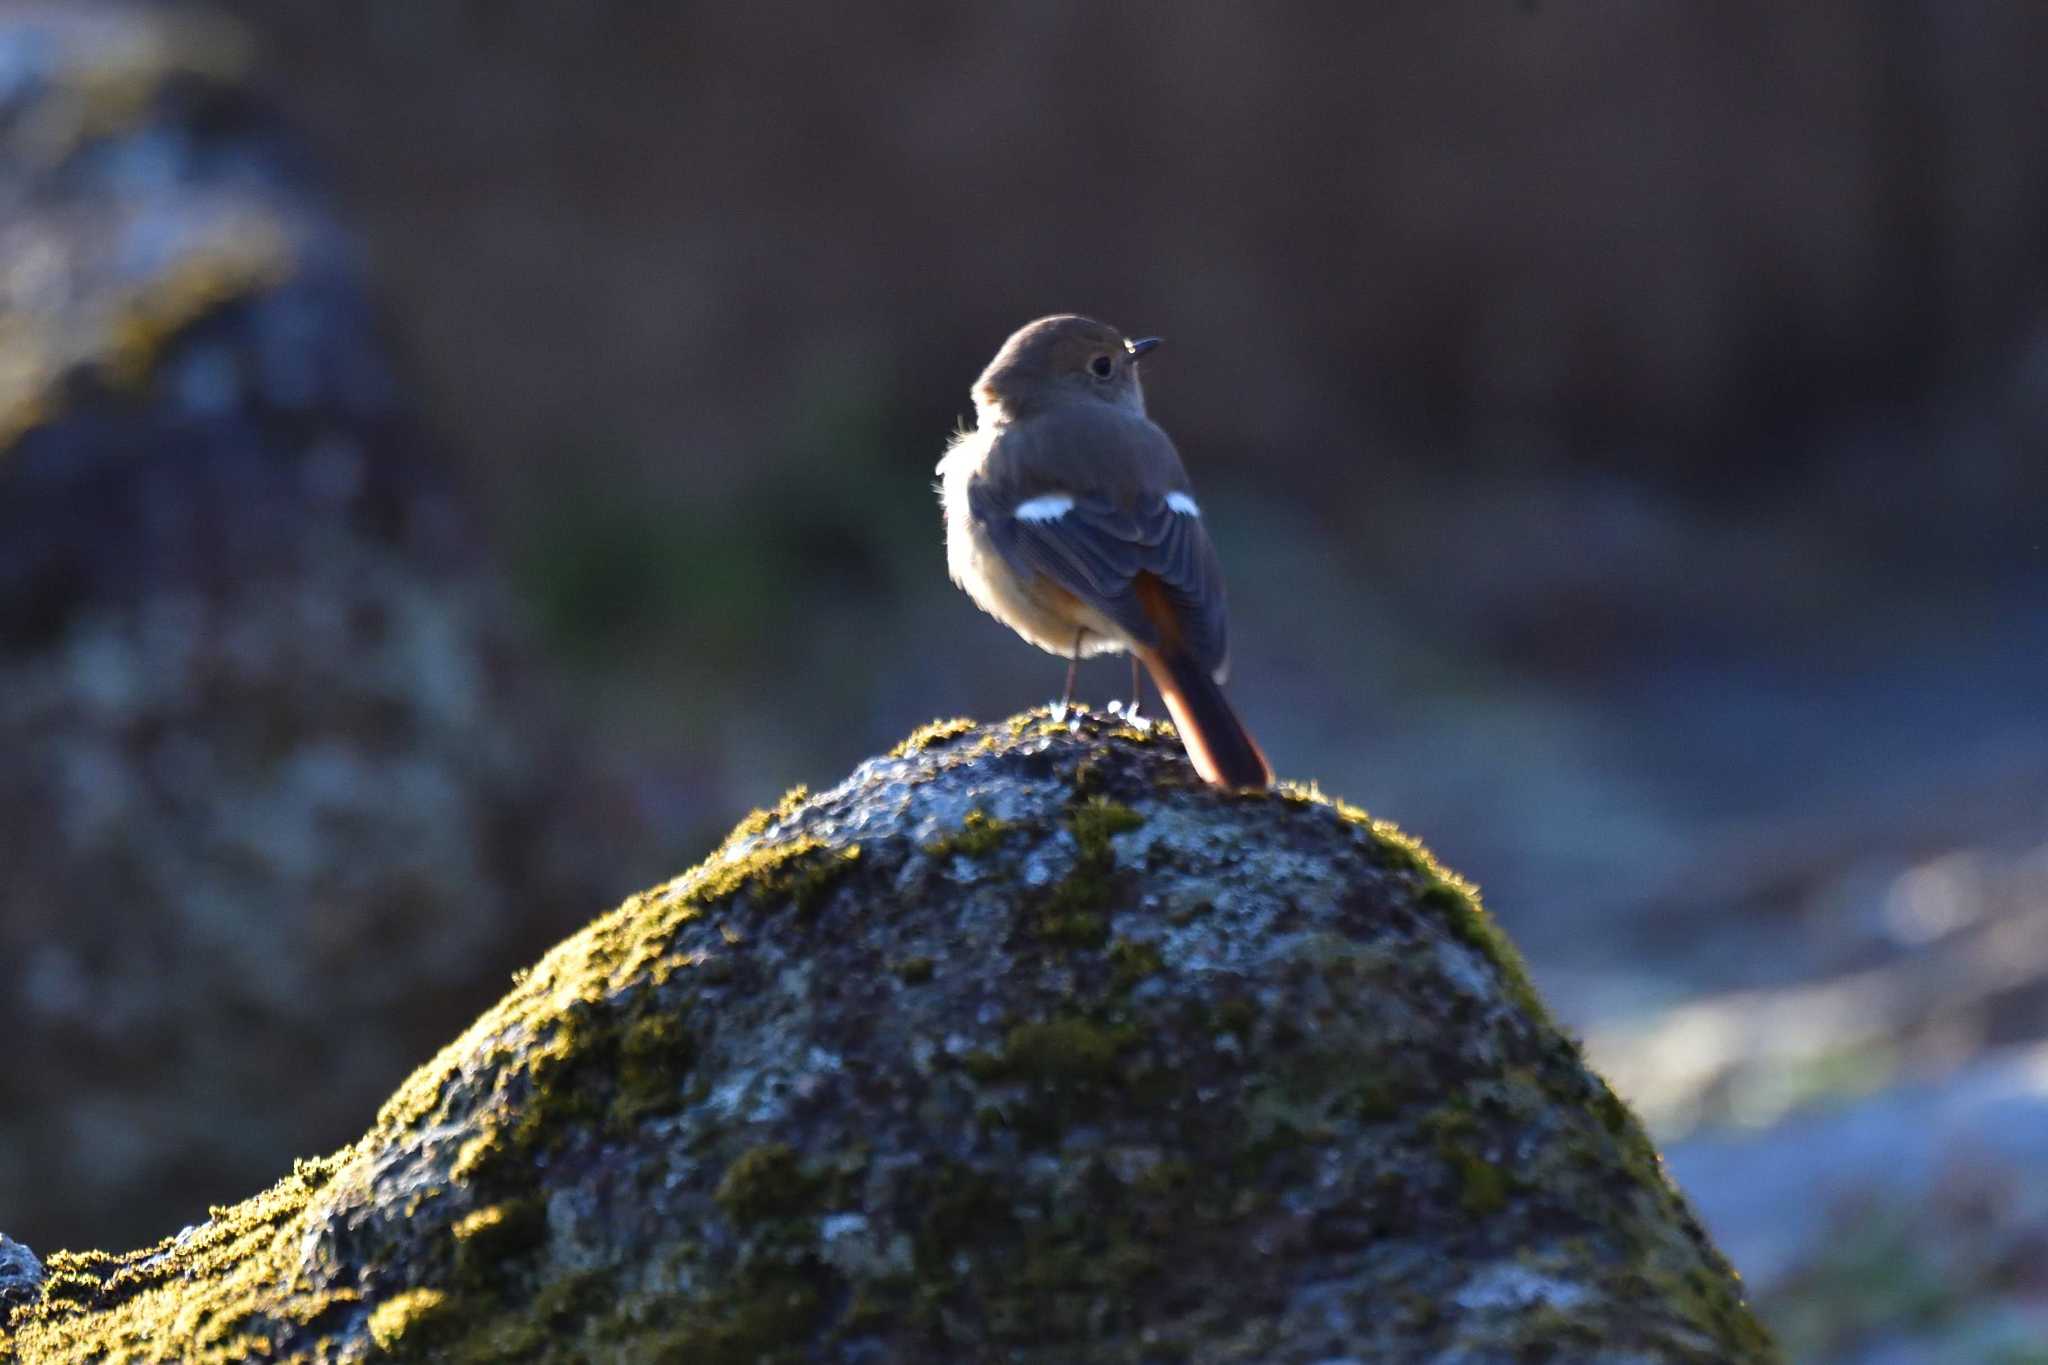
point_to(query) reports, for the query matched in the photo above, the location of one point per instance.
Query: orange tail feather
(1222, 750)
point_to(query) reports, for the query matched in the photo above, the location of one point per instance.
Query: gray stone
(21, 1275)
(282, 794)
(1250, 1078)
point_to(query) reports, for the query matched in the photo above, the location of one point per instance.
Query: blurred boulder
(1910, 1225)
(21, 1275)
(1020, 1044)
(280, 799)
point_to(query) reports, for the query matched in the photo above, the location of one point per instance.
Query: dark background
(1622, 427)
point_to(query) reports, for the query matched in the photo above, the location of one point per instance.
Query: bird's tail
(1222, 750)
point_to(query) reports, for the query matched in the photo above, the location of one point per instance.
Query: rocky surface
(281, 802)
(1020, 1044)
(21, 1275)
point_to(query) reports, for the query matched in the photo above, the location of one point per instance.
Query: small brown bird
(1070, 520)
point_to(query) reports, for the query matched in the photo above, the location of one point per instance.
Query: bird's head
(1065, 358)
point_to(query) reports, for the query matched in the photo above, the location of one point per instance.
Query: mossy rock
(838, 1095)
(286, 790)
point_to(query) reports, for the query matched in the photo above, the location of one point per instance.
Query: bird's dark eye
(1102, 365)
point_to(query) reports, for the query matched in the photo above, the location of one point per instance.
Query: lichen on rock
(1021, 1044)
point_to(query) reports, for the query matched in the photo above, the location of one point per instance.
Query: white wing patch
(1045, 507)
(1183, 504)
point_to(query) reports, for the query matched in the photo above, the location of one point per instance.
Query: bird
(1070, 519)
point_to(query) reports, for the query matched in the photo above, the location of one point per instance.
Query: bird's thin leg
(1059, 713)
(1137, 692)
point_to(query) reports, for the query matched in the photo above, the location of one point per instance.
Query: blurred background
(462, 456)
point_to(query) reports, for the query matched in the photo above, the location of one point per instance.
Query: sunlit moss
(411, 1320)
(934, 732)
(760, 821)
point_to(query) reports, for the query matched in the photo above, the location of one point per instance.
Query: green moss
(1454, 900)
(1392, 848)
(761, 821)
(411, 1320)
(1061, 1052)
(655, 1052)
(1072, 911)
(766, 1182)
(1457, 906)
(1063, 1276)
(979, 835)
(759, 1331)
(1557, 1329)
(566, 1068)
(203, 1294)
(1095, 820)
(1482, 1186)
(549, 1324)
(1058, 1050)
(1131, 962)
(602, 1062)
(936, 732)
(1319, 1088)
(1674, 1266)
(771, 875)
(1446, 897)
(1611, 1112)
(478, 1156)
(800, 873)
(486, 1239)
(67, 1284)
(766, 1322)
(1038, 1275)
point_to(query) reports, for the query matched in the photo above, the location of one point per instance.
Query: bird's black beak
(1140, 346)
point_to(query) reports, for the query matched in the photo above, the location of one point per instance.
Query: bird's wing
(1103, 549)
